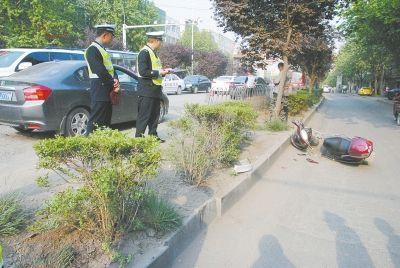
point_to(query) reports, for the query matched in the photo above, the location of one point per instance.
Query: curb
(165, 255)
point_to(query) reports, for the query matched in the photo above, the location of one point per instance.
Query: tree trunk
(382, 83)
(282, 82)
(312, 83)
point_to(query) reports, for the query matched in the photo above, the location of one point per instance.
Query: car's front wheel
(398, 119)
(77, 121)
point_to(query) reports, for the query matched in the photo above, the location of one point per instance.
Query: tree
(273, 28)
(315, 58)
(210, 64)
(67, 23)
(375, 26)
(203, 40)
(38, 23)
(175, 55)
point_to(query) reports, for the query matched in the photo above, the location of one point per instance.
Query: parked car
(173, 84)
(17, 59)
(396, 109)
(365, 91)
(54, 96)
(392, 93)
(223, 84)
(327, 89)
(195, 83)
(125, 59)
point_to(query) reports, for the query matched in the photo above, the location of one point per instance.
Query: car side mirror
(24, 65)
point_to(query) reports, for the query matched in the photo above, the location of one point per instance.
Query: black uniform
(149, 96)
(100, 88)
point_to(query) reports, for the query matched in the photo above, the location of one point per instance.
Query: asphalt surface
(18, 159)
(316, 215)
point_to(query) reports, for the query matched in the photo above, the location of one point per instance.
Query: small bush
(301, 101)
(159, 215)
(13, 217)
(276, 125)
(208, 136)
(111, 169)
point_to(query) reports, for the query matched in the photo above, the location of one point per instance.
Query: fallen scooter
(303, 137)
(339, 148)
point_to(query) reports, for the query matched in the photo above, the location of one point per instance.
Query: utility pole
(192, 47)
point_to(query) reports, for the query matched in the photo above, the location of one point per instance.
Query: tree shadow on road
(349, 249)
(393, 244)
(271, 254)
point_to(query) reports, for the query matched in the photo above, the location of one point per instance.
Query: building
(225, 44)
(173, 32)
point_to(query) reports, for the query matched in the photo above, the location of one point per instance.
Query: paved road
(18, 159)
(316, 215)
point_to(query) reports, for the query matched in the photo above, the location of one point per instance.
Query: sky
(182, 10)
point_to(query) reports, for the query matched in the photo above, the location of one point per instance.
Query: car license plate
(6, 95)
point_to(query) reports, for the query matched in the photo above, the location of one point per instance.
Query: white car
(223, 83)
(17, 59)
(173, 84)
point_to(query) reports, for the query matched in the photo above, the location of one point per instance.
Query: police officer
(103, 78)
(150, 74)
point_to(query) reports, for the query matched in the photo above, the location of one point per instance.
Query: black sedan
(54, 96)
(196, 83)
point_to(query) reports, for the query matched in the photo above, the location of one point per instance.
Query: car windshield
(8, 57)
(241, 79)
(191, 78)
(224, 78)
(46, 69)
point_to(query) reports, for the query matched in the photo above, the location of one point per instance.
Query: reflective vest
(155, 65)
(106, 61)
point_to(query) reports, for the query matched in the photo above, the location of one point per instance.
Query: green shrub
(13, 217)
(208, 136)
(43, 181)
(232, 119)
(277, 125)
(301, 101)
(110, 168)
(159, 215)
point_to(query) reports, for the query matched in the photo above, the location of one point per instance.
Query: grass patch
(276, 125)
(43, 181)
(13, 217)
(65, 257)
(160, 215)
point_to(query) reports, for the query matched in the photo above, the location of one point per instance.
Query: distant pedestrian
(150, 74)
(103, 79)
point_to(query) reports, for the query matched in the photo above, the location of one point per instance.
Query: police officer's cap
(156, 35)
(106, 27)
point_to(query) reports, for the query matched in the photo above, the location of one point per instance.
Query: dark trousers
(148, 115)
(100, 115)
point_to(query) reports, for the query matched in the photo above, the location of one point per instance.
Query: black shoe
(160, 140)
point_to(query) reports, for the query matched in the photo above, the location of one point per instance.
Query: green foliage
(43, 181)
(65, 257)
(208, 136)
(301, 101)
(276, 125)
(39, 23)
(203, 40)
(123, 260)
(13, 217)
(159, 215)
(111, 169)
